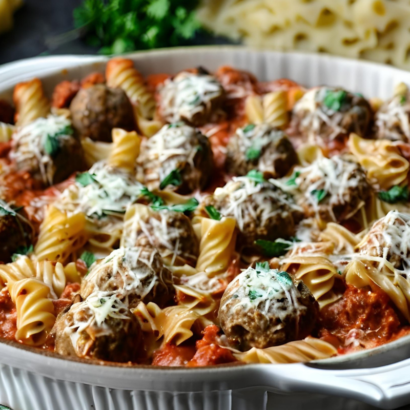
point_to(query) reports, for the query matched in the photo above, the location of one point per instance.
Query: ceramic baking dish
(35, 380)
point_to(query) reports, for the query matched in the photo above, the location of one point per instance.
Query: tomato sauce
(8, 316)
(172, 355)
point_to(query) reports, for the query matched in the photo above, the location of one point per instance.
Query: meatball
(332, 189)
(48, 149)
(170, 232)
(191, 97)
(177, 156)
(388, 238)
(393, 119)
(260, 147)
(326, 113)
(261, 210)
(138, 274)
(264, 307)
(98, 109)
(101, 327)
(15, 232)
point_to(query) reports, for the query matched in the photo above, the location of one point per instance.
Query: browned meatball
(168, 231)
(15, 233)
(327, 113)
(261, 210)
(333, 189)
(98, 109)
(388, 238)
(191, 97)
(48, 149)
(178, 157)
(392, 120)
(138, 274)
(264, 307)
(88, 331)
(260, 147)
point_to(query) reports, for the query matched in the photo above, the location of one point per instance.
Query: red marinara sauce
(8, 316)
(362, 318)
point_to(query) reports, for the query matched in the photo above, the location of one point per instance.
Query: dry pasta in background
(225, 220)
(372, 29)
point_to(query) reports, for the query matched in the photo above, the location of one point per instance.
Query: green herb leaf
(102, 301)
(320, 194)
(253, 153)
(292, 180)
(22, 250)
(285, 278)
(235, 296)
(213, 213)
(253, 294)
(189, 206)
(273, 249)
(4, 211)
(256, 176)
(85, 178)
(334, 99)
(158, 9)
(88, 258)
(2, 407)
(403, 100)
(176, 124)
(154, 199)
(262, 267)
(52, 145)
(395, 194)
(173, 178)
(248, 128)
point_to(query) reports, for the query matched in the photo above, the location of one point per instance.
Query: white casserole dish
(33, 380)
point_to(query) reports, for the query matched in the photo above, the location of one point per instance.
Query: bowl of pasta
(198, 227)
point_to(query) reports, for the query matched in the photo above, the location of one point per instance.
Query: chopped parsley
(102, 301)
(188, 206)
(22, 250)
(253, 153)
(292, 181)
(253, 294)
(213, 213)
(52, 141)
(176, 124)
(256, 176)
(195, 101)
(395, 194)
(85, 178)
(285, 278)
(334, 100)
(319, 194)
(88, 258)
(154, 199)
(4, 211)
(262, 267)
(403, 99)
(199, 148)
(248, 128)
(235, 296)
(3, 407)
(273, 249)
(173, 178)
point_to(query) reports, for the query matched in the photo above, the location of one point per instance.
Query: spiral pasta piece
(35, 311)
(293, 352)
(60, 235)
(95, 151)
(381, 159)
(275, 109)
(121, 73)
(202, 302)
(318, 274)
(217, 245)
(6, 131)
(125, 150)
(254, 109)
(30, 101)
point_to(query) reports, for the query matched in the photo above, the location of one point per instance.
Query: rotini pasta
(6, 131)
(121, 73)
(275, 109)
(31, 102)
(95, 151)
(381, 159)
(35, 311)
(60, 235)
(254, 109)
(125, 149)
(292, 352)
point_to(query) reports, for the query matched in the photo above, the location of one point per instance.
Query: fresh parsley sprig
(256, 176)
(85, 178)
(395, 194)
(21, 251)
(213, 212)
(88, 258)
(173, 178)
(119, 26)
(274, 249)
(188, 206)
(154, 199)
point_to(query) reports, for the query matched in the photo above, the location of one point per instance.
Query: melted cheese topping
(187, 94)
(172, 145)
(110, 193)
(394, 117)
(30, 141)
(244, 199)
(270, 291)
